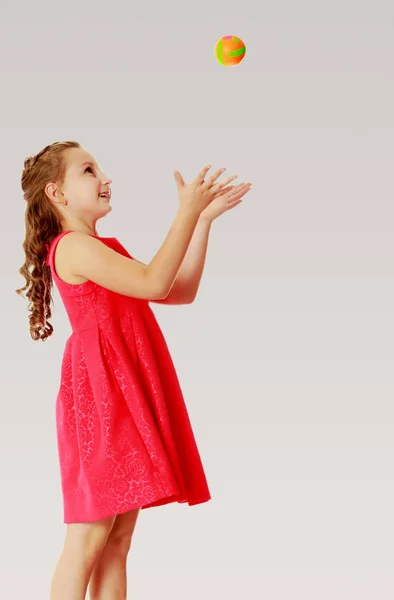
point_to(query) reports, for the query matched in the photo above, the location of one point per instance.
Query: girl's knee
(124, 525)
(88, 539)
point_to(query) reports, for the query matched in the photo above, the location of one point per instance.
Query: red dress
(123, 430)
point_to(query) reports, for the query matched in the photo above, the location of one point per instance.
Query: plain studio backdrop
(286, 356)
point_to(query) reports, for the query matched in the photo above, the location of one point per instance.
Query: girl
(125, 440)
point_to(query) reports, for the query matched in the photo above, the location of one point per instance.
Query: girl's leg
(108, 579)
(83, 545)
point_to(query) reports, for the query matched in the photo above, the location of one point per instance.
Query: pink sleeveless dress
(124, 435)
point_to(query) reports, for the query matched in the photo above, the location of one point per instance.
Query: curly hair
(42, 223)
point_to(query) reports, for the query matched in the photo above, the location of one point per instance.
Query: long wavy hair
(42, 224)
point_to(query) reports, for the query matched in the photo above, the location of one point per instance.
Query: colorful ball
(230, 50)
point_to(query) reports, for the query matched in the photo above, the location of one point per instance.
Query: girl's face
(84, 181)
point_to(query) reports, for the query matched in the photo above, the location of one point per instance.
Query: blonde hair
(42, 224)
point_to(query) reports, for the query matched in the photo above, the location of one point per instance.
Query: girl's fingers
(241, 187)
(222, 184)
(225, 190)
(235, 203)
(214, 176)
(201, 175)
(238, 191)
(226, 181)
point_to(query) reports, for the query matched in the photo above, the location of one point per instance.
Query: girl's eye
(88, 168)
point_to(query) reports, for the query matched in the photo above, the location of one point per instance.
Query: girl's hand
(224, 200)
(198, 194)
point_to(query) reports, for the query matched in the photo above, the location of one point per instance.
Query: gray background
(286, 356)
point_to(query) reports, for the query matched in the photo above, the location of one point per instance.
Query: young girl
(125, 440)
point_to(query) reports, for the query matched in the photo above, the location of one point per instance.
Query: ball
(230, 50)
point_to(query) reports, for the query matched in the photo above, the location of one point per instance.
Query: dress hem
(162, 500)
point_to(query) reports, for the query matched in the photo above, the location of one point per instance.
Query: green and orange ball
(230, 50)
